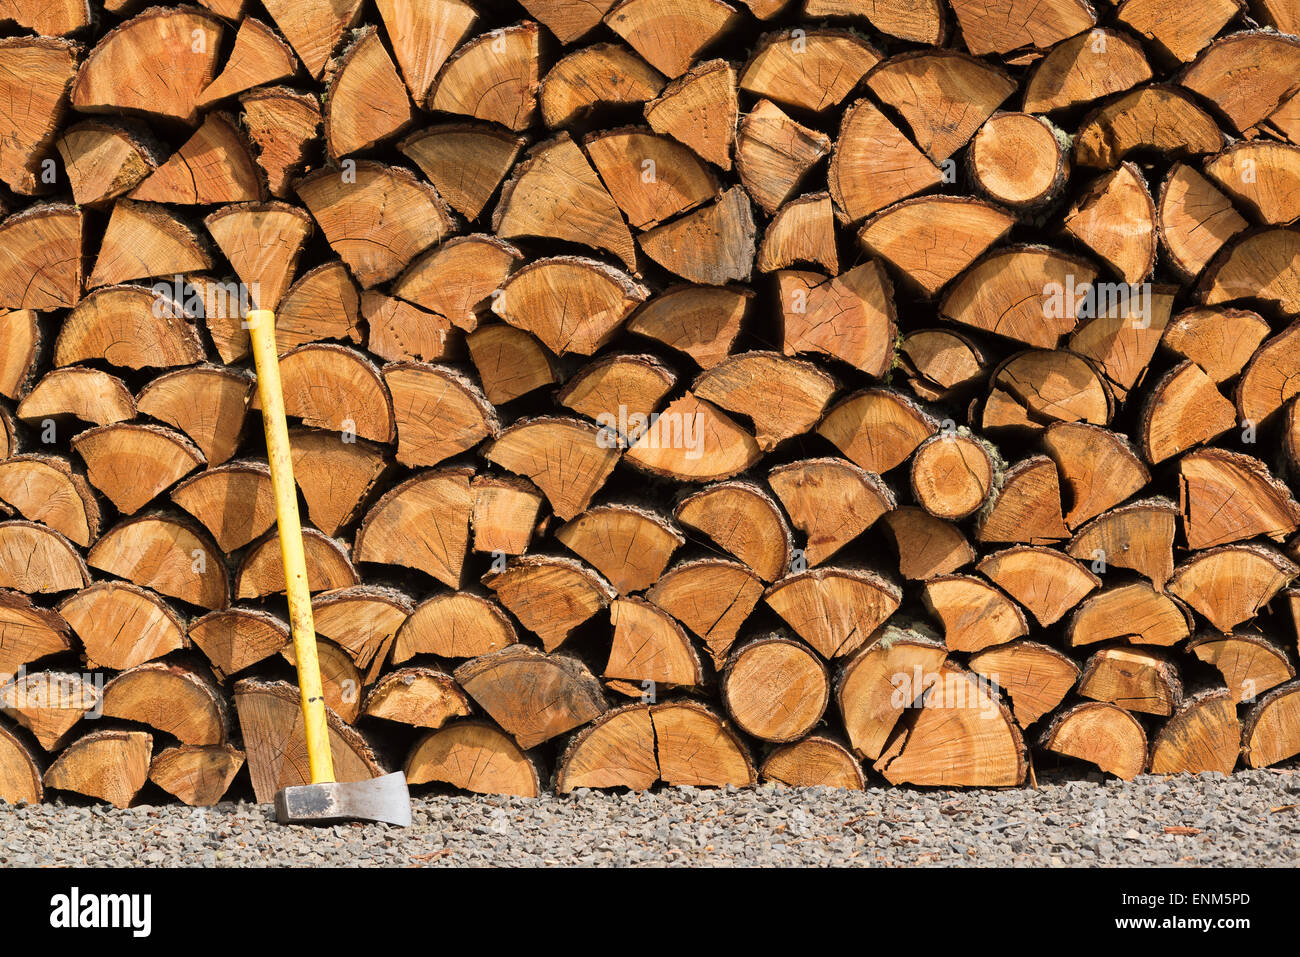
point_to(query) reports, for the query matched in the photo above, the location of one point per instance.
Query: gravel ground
(1251, 819)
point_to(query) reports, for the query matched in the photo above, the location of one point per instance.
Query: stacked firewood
(816, 391)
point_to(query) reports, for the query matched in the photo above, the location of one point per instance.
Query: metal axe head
(383, 799)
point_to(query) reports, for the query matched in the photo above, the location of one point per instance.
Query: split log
(831, 501)
(1011, 291)
(233, 502)
(555, 193)
(878, 429)
(197, 776)
(258, 57)
(171, 699)
(816, 761)
(531, 695)
(1250, 663)
(713, 245)
(147, 239)
(127, 326)
(874, 164)
(20, 778)
(692, 441)
(1203, 735)
(49, 704)
(78, 392)
(932, 239)
(670, 36)
(1026, 507)
(565, 458)
(437, 413)
(1098, 468)
(37, 73)
(974, 614)
(699, 321)
(335, 477)
(630, 546)
(187, 39)
(365, 101)
(377, 218)
(1036, 677)
(1047, 582)
(1134, 612)
(421, 697)
(651, 177)
(281, 122)
(1085, 67)
(314, 28)
(1139, 536)
(454, 625)
(1008, 26)
(774, 154)
(835, 610)
(510, 362)
(1101, 734)
(811, 69)
(1183, 409)
(215, 165)
(1179, 37)
(363, 620)
(44, 489)
(422, 523)
(271, 723)
(38, 560)
(603, 74)
(172, 556)
(1116, 218)
(637, 384)
(1229, 584)
(208, 403)
(473, 756)
(131, 464)
(650, 647)
(1263, 266)
(802, 231)
(261, 572)
(1267, 62)
(570, 303)
(41, 258)
(680, 743)
(465, 161)
(699, 108)
(104, 160)
(744, 521)
(236, 638)
(492, 77)
(1163, 119)
(122, 625)
(505, 513)
(875, 686)
(710, 596)
(1135, 679)
(1269, 735)
(550, 596)
(28, 632)
(109, 765)
(1033, 389)
(960, 735)
(782, 397)
(1228, 497)
(926, 546)
(1195, 219)
(943, 95)
(849, 317)
(457, 278)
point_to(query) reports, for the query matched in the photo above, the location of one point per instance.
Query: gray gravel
(1251, 818)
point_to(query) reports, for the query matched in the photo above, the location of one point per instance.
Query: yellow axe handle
(261, 328)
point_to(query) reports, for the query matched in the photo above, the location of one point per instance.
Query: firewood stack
(821, 391)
